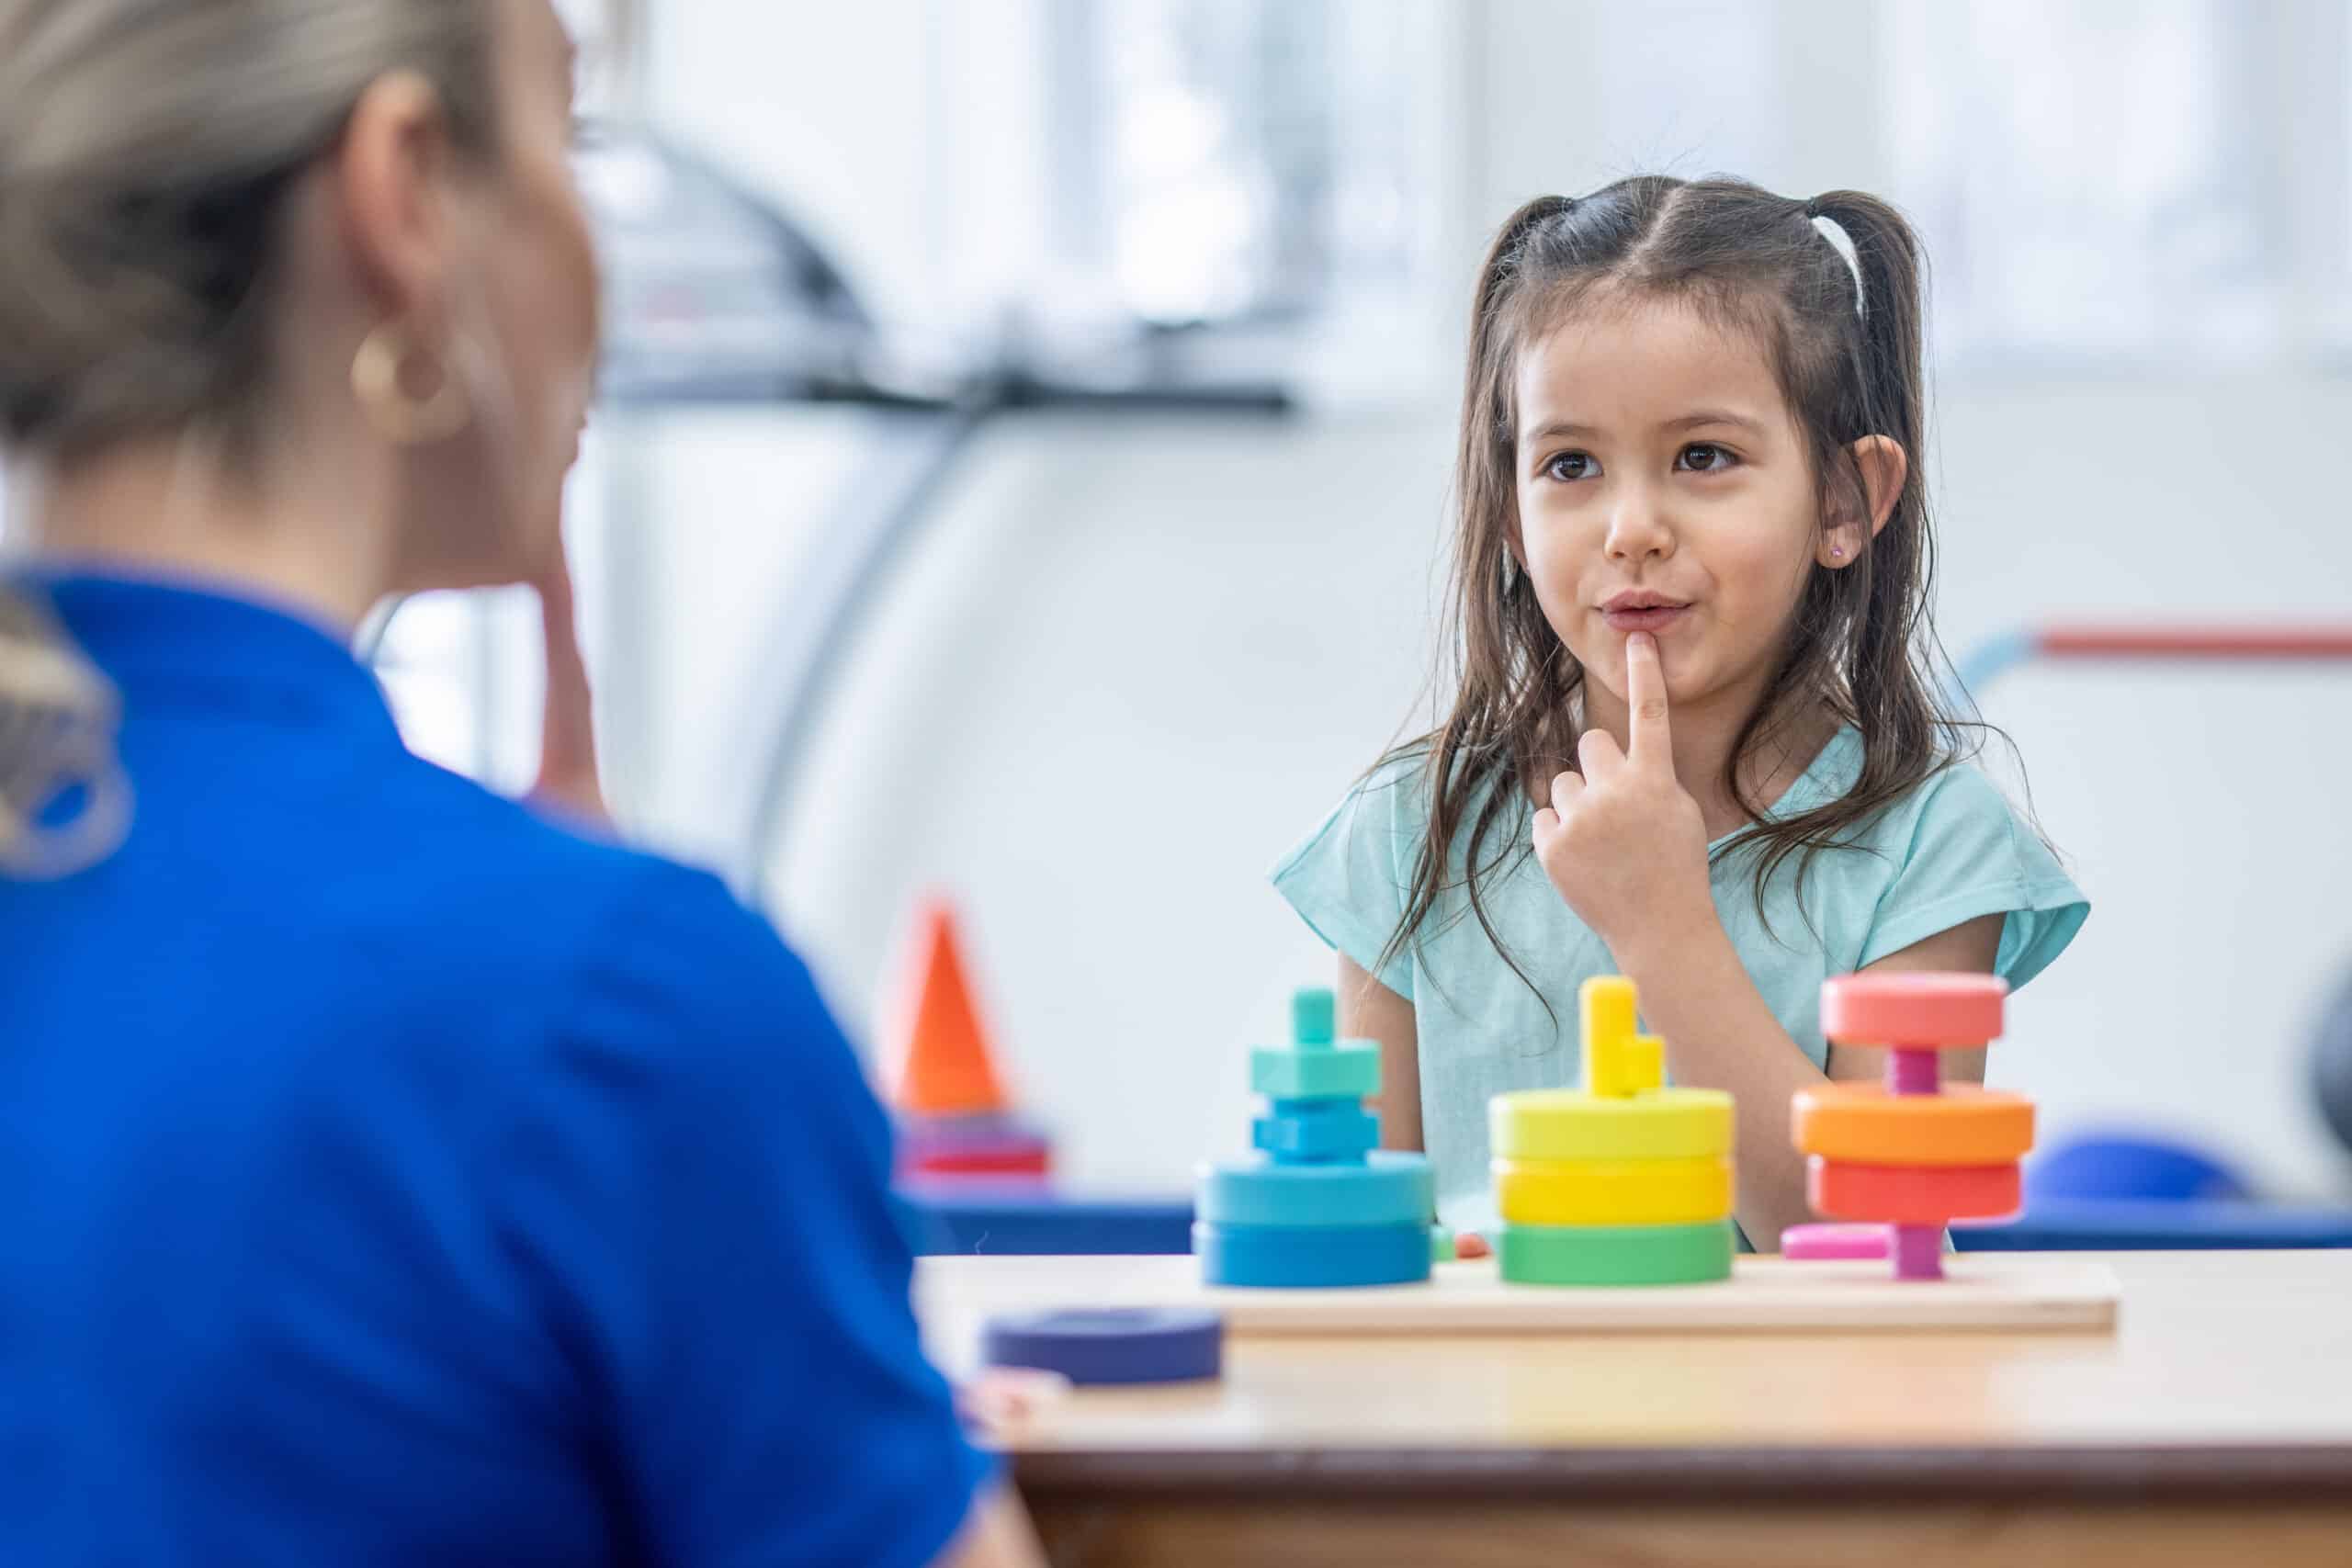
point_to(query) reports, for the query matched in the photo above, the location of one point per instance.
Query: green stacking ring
(1615, 1255)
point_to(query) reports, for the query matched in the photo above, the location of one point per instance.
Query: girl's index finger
(1650, 740)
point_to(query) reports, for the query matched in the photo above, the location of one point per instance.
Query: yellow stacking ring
(1568, 1124)
(1614, 1192)
(1863, 1124)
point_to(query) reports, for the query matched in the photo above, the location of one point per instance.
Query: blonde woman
(389, 1175)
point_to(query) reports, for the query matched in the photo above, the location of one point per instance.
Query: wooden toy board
(2017, 1292)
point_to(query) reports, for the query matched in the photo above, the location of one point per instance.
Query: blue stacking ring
(1317, 1129)
(1312, 1255)
(1387, 1188)
(1108, 1345)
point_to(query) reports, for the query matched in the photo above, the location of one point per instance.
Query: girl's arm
(1370, 1010)
(1721, 1033)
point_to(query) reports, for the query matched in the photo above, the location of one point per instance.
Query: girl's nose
(1638, 529)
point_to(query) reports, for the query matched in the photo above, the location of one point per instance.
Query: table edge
(1797, 1476)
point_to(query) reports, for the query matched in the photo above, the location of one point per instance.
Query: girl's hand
(1624, 843)
(568, 737)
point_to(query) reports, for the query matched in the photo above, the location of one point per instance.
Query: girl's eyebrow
(1693, 421)
(1558, 429)
(1569, 429)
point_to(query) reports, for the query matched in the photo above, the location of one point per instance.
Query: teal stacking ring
(1389, 1189)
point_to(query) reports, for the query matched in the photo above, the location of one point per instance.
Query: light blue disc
(1387, 1188)
(1312, 1255)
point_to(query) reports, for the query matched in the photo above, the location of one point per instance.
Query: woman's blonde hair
(146, 148)
(64, 802)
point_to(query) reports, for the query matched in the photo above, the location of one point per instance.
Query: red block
(976, 1162)
(1913, 1195)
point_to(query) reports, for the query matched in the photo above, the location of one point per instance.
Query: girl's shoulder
(1381, 816)
(1951, 849)
(1352, 877)
(1956, 795)
(1957, 800)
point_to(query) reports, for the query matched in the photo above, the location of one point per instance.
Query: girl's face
(1664, 487)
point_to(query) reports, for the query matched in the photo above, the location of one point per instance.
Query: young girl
(1695, 739)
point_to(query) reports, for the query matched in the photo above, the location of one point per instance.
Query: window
(2088, 176)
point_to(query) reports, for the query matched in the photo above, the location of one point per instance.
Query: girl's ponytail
(1888, 397)
(1889, 265)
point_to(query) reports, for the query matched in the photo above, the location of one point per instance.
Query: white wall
(1136, 661)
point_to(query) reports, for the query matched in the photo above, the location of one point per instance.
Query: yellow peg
(1619, 1062)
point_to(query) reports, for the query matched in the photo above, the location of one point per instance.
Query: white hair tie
(1842, 242)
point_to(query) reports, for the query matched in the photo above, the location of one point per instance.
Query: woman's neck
(170, 507)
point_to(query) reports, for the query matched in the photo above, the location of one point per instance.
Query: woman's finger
(568, 775)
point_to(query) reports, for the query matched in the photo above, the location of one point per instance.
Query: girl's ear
(1883, 466)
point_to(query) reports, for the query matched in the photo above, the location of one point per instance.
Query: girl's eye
(1569, 467)
(1701, 458)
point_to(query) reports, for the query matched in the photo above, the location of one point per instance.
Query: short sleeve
(1348, 879)
(1969, 854)
(699, 1195)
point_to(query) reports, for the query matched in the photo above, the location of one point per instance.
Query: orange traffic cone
(938, 1054)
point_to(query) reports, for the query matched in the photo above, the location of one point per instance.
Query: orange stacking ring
(1912, 1009)
(1962, 1126)
(1917, 1195)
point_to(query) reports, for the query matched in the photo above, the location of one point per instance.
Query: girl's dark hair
(1864, 641)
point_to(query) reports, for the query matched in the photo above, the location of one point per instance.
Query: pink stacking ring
(1943, 1010)
(1821, 1243)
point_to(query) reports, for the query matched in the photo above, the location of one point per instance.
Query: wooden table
(2213, 1427)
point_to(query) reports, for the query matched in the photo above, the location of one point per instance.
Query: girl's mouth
(1641, 612)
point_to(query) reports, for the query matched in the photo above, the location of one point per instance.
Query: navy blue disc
(1109, 1345)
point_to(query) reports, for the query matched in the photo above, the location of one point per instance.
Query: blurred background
(1022, 472)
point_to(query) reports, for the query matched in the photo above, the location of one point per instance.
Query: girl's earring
(1837, 552)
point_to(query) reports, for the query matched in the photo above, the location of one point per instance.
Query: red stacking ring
(1913, 1195)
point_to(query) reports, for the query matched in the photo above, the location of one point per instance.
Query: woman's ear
(1853, 519)
(387, 174)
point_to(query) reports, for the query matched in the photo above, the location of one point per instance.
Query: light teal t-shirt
(1951, 850)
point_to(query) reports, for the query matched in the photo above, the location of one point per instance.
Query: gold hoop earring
(399, 417)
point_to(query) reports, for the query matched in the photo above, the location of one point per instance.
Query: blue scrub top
(388, 1176)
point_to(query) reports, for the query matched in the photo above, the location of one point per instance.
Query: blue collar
(175, 647)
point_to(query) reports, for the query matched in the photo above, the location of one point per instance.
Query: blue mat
(2158, 1225)
(1023, 1221)
(1029, 1220)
